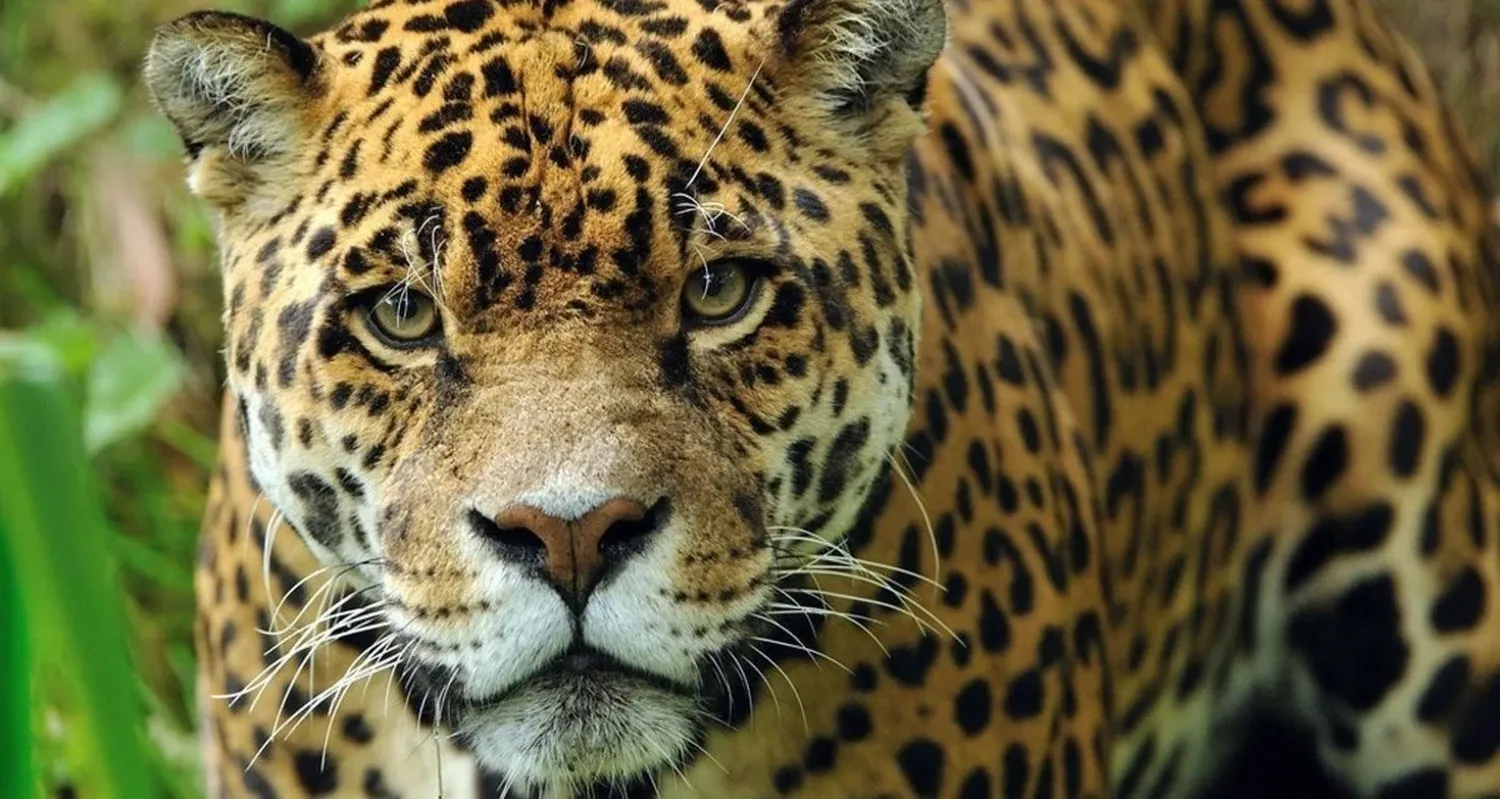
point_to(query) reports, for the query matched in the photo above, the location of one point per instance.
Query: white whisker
(744, 95)
(926, 520)
(796, 694)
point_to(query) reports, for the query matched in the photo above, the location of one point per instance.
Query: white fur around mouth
(572, 727)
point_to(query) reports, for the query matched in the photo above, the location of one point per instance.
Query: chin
(576, 726)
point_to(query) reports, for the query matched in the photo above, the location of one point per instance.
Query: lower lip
(579, 665)
(584, 663)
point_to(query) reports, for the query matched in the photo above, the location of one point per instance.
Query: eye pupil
(403, 316)
(718, 293)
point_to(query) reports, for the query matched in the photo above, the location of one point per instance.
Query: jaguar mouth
(587, 668)
(582, 718)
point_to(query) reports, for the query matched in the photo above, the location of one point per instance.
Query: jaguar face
(564, 336)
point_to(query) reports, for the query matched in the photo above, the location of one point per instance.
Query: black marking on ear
(917, 95)
(791, 25)
(870, 50)
(271, 72)
(300, 55)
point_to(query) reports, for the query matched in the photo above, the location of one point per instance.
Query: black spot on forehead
(321, 241)
(664, 62)
(643, 112)
(708, 48)
(665, 27)
(810, 205)
(468, 15)
(498, 77)
(448, 152)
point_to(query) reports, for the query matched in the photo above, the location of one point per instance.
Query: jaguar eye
(404, 316)
(719, 293)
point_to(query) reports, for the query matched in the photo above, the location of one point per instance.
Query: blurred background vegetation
(110, 370)
(109, 305)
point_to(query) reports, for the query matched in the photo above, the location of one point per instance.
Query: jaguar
(842, 398)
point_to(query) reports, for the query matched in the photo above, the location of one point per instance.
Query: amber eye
(404, 316)
(719, 293)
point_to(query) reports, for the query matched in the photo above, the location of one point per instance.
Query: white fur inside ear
(867, 47)
(228, 84)
(222, 79)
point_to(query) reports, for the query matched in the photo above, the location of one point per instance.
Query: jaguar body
(841, 398)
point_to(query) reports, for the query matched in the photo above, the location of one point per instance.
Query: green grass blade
(54, 528)
(16, 745)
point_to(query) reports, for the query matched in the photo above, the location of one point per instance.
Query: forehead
(544, 133)
(438, 83)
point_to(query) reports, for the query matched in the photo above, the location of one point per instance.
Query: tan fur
(1050, 340)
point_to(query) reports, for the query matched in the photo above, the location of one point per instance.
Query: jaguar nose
(573, 553)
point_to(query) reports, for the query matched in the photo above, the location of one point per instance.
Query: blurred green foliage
(56, 541)
(109, 365)
(109, 370)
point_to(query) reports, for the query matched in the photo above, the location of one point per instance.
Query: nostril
(629, 536)
(514, 543)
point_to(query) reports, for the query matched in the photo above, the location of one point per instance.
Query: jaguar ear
(240, 92)
(862, 60)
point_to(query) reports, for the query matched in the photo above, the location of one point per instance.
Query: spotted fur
(1116, 375)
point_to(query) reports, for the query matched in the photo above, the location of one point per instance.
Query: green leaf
(128, 383)
(17, 32)
(150, 135)
(57, 125)
(163, 572)
(57, 541)
(305, 14)
(203, 450)
(30, 287)
(63, 345)
(16, 745)
(22, 355)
